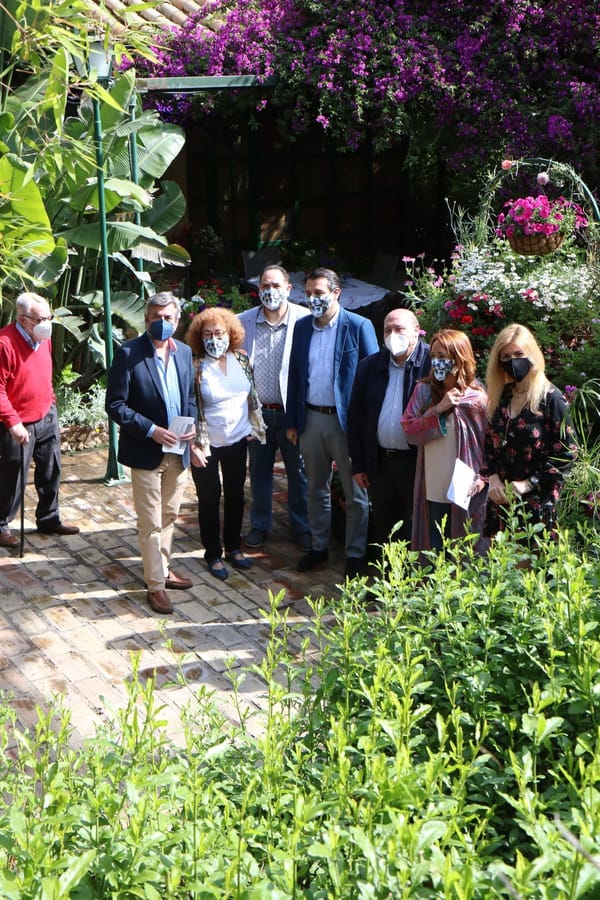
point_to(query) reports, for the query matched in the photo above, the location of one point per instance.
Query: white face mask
(42, 330)
(272, 297)
(397, 343)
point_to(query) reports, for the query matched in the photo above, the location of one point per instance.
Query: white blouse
(225, 401)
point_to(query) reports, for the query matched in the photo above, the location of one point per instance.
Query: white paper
(179, 425)
(461, 486)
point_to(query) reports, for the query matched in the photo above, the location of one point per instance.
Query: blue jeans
(262, 460)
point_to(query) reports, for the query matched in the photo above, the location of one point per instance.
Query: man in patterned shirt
(269, 329)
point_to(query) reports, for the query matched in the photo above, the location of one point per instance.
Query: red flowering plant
(479, 314)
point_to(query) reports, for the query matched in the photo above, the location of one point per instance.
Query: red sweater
(26, 392)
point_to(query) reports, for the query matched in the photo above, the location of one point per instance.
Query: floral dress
(540, 445)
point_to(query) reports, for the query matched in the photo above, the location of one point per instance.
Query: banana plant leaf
(173, 255)
(130, 308)
(167, 209)
(115, 191)
(22, 209)
(120, 235)
(158, 147)
(73, 324)
(47, 270)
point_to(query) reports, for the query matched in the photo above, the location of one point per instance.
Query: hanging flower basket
(535, 244)
(536, 226)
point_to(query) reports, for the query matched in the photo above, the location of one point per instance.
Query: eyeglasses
(40, 319)
(215, 334)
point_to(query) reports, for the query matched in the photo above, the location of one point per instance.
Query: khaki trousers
(157, 496)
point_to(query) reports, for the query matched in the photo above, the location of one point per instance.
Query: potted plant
(538, 225)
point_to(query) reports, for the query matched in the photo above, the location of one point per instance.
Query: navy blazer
(134, 399)
(368, 393)
(355, 338)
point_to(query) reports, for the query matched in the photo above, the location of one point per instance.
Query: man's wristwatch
(534, 481)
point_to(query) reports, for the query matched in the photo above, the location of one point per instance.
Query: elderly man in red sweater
(28, 418)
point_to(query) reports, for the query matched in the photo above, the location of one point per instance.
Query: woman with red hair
(446, 419)
(228, 417)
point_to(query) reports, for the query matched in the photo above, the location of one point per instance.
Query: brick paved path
(73, 609)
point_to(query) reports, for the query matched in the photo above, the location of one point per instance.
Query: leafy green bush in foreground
(441, 741)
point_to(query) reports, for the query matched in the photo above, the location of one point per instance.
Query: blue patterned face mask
(318, 305)
(441, 368)
(272, 297)
(215, 346)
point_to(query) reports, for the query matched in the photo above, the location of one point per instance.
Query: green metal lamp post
(100, 61)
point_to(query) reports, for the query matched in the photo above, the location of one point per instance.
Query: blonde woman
(446, 419)
(229, 416)
(530, 442)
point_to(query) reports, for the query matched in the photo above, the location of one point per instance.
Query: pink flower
(543, 178)
(506, 164)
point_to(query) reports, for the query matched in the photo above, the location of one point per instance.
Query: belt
(272, 406)
(328, 410)
(394, 451)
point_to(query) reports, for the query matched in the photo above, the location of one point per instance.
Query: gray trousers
(321, 443)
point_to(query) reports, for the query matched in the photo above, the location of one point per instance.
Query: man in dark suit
(326, 350)
(382, 459)
(150, 384)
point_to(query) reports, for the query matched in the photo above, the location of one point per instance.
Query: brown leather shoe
(159, 602)
(8, 539)
(59, 528)
(178, 582)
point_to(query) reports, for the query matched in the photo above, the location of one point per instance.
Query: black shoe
(313, 558)
(304, 540)
(355, 565)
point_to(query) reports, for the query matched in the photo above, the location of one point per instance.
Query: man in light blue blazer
(269, 329)
(326, 350)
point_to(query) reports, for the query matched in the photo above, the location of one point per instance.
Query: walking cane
(22, 504)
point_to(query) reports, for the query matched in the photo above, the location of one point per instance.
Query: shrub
(448, 745)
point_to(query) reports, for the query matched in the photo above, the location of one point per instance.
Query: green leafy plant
(50, 236)
(446, 745)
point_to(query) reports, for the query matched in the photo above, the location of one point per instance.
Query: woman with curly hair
(229, 416)
(446, 419)
(530, 443)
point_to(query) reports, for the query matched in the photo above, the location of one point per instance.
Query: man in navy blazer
(326, 350)
(150, 382)
(382, 459)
